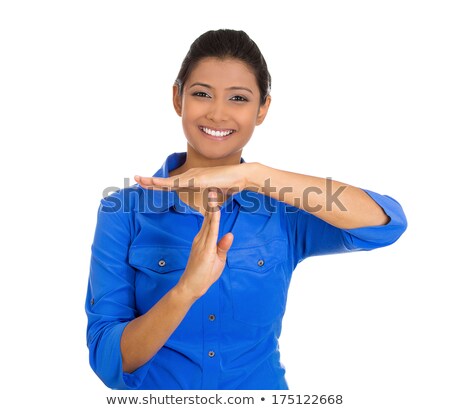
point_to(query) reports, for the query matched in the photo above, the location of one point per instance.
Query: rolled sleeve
(371, 237)
(110, 300)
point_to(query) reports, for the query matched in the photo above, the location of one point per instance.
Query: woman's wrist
(183, 293)
(252, 175)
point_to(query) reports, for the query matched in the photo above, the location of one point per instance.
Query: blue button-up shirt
(229, 337)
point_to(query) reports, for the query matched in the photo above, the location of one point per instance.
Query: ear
(177, 103)
(262, 112)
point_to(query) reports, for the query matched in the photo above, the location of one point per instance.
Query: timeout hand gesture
(207, 258)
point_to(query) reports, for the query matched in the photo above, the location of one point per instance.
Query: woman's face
(220, 107)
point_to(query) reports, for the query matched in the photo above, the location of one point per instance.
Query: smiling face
(220, 108)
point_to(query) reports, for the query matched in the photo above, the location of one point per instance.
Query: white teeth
(216, 133)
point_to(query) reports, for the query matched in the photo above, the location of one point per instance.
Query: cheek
(247, 117)
(189, 117)
(190, 111)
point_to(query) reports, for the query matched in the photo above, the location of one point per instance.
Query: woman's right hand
(207, 258)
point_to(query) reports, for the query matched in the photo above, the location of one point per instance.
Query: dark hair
(226, 43)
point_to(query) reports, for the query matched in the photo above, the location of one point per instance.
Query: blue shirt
(229, 337)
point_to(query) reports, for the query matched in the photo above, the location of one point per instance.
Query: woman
(190, 268)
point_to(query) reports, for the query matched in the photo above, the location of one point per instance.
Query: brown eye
(239, 98)
(200, 94)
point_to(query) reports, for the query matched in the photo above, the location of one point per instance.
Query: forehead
(223, 73)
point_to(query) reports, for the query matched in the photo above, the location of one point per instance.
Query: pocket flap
(258, 258)
(160, 259)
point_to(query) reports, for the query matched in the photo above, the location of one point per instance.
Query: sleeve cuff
(372, 237)
(109, 366)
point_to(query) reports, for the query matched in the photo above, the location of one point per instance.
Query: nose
(217, 111)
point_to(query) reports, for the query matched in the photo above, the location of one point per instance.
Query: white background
(360, 94)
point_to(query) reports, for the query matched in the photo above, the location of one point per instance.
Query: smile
(217, 133)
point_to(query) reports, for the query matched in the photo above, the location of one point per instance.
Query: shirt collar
(249, 201)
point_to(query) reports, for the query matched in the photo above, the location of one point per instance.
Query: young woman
(190, 268)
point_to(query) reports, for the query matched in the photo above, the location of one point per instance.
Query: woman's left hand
(229, 178)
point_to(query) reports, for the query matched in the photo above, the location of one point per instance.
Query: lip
(211, 137)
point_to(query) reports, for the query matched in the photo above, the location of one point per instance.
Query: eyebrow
(229, 88)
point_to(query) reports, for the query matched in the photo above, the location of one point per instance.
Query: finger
(224, 245)
(156, 182)
(214, 211)
(153, 181)
(146, 182)
(202, 234)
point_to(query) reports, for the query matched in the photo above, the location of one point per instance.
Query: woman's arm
(145, 335)
(341, 205)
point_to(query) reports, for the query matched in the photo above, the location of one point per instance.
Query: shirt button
(162, 263)
(261, 262)
(211, 353)
(92, 301)
(212, 317)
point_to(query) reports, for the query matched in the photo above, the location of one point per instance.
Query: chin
(215, 152)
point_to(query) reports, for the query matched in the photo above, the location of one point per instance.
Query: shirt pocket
(158, 269)
(259, 282)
